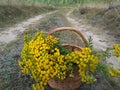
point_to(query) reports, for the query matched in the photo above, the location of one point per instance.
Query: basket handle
(71, 29)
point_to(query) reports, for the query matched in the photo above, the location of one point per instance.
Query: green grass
(57, 2)
(11, 78)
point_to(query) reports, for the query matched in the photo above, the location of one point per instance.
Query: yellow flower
(117, 49)
(112, 73)
(43, 59)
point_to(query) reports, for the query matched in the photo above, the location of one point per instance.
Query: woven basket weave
(69, 83)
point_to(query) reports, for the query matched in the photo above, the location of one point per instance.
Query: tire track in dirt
(98, 40)
(10, 34)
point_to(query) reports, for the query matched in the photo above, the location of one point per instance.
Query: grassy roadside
(105, 18)
(10, 15)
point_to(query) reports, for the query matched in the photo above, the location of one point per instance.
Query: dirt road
(101, 40)
(9, 59)
(9, 34)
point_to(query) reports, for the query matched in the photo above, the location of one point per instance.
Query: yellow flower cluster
(117, 50)
(114, 72)
(43, 60)
(86, 62)
(36, 60)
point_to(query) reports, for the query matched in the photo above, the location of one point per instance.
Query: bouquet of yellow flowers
(44, 57)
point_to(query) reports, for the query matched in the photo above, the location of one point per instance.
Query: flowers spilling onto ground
(43, 58)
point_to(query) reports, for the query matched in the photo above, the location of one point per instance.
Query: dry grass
(94, 5)
(10, 15)
(107, 19)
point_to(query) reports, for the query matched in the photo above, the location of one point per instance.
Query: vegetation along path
(101, 40)
(10, 34)
(99, 37)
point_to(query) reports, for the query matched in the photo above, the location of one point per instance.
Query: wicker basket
(69, 83)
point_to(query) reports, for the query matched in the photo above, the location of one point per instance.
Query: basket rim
(71, 29)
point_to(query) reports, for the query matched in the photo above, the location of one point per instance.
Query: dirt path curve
(101, 40)
(10, 34)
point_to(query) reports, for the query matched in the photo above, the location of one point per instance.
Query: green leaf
(71, 75)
